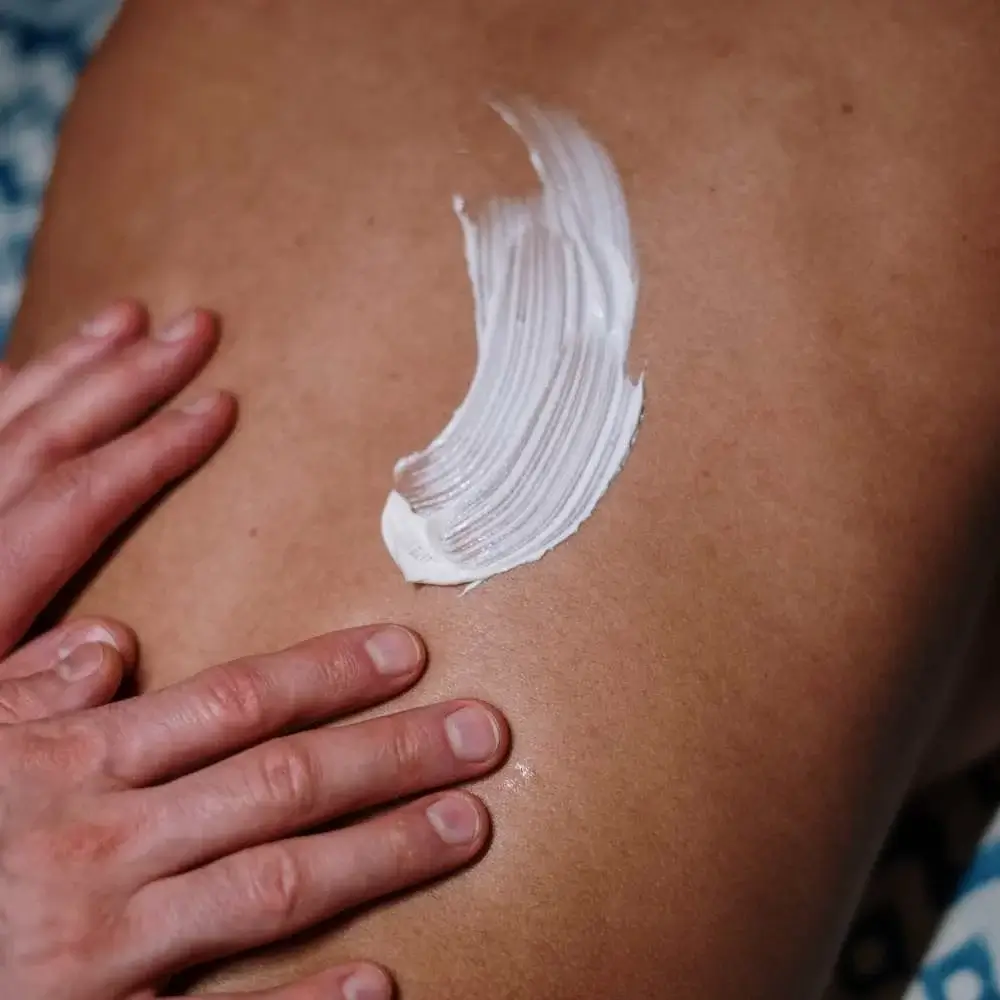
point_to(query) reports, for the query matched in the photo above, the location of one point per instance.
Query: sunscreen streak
(551, 412)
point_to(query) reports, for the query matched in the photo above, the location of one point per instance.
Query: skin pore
(722, 686)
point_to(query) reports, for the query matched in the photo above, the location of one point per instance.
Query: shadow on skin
(922, 863)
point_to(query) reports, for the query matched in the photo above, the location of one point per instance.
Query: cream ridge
(551, 413)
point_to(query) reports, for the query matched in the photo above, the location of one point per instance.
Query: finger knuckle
(287, 777)
(236, 696)
(83, 843)
(276, 885)
(68, 839)
(162, 445)
(75, 481)
(70, 749)
(403, 848)
(18, 703)
(34, 439)
(47, 441)
(342, 668)
(110, 476)
(407, 749)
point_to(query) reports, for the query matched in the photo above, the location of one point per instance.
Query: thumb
(88, 675)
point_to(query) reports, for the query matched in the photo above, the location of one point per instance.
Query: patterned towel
(961, 963)
(43, 46)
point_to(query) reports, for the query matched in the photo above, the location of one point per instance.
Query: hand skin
(142, 837)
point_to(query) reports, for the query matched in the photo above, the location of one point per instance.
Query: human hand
(144, 837)
(135, 839)
(77, 458)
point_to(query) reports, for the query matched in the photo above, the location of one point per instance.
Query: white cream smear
(551, 412)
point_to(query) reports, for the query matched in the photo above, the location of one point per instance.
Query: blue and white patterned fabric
(962, 961)
(43, 46)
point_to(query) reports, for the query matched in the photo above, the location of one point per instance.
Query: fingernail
(395, 651)
(96, 633)
(367, 984)
(107, 323)
(180, 328)
(201, 405)
(455, 819)
(81, 662)
(473, 733)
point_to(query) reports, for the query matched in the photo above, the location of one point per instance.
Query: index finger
(65, 518)
(96, 339)
(235, 705)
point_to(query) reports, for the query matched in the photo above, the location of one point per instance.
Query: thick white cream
(551, 413)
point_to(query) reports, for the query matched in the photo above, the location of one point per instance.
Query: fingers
(88, 675)
(72, 510)
(43, 652)
(101, 401)
(77, 666)
(348, 982)
(96, 339)
(239, 704)
(300, 781)
(270, 892)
